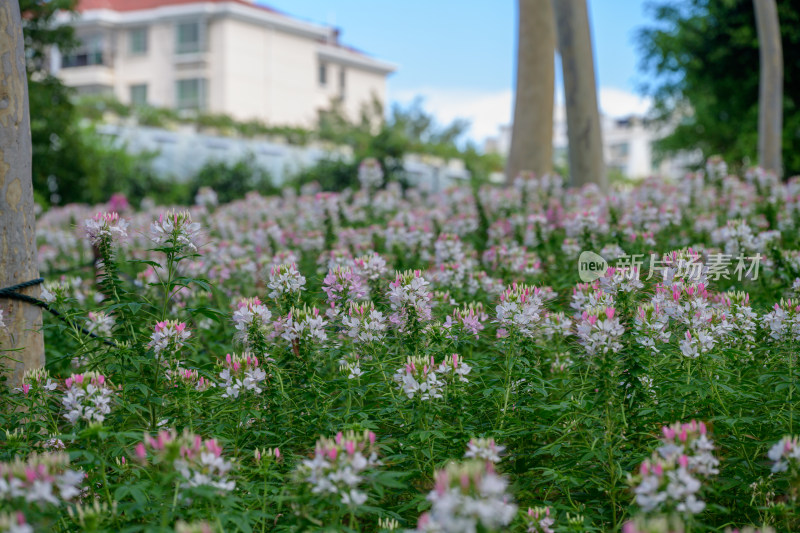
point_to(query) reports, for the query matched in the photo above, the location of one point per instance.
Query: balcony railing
(85, 59)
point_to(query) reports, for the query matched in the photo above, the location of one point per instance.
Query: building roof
(136, 5)
(325, 35)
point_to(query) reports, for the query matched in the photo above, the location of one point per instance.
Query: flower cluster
(484, 449)
(370, 267)
(241, 373)
(468, 496)
(419, 376)
(40, 479)
(266, 454)
(409, 298)
(556, 325)
(338, 466)
(785, 455)
(37, 380)
(14, 523)
(342, 285)
(188, 377)
(99, 323)
(168, 337)
(669, 480)
(198, 461)
(455, 368)
(467, 320)
(599, 330)
(285, 281)
(370, 173)
(302, 324)
(105, 228)
(364, 324)
(251, 320)
(784, 320)
(351, 365)
(650, 325)
(520, 309)
(654, 524)
(538, 520)
(176, 230)
(88, 397)
(207, 197)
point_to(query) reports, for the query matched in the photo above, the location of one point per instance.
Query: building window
(323, 74)
(139, 95)
(191, 94)
(342, 81)
(620, 150)
(137, 41)
(90, 52)
(188, 37)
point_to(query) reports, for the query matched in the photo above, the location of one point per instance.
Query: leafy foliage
(705, 57)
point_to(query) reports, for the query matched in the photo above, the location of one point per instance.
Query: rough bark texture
(21, 340)
(532, 133)
(580, 93)
(770, 89)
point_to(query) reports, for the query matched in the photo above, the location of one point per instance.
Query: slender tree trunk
(770, 86)
(21, 339)
(532, 133)
(580, 93)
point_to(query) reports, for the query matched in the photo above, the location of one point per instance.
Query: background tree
(532, 133)
(580, 93)
(770, 81)
(703, 54)
(58, 151)
(407, 130)
(21, 338)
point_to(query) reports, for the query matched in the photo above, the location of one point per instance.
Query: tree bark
(580, 93)
(770, 86)
(21, 339)
(532, 130)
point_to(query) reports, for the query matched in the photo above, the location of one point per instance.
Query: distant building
(222, 56)
(627, 146)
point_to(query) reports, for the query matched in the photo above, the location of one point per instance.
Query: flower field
(382, 360)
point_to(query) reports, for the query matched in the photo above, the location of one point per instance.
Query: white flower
(168, 336)
(485, 449)
(468, 496)
(285, 280)
(176, 230)
(241, 373)
(106, 227)
(338, 466)
(87, 398)
(251, 318)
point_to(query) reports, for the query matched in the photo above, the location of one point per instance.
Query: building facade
(232, 57)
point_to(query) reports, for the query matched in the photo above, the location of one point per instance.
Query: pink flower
(141, 452)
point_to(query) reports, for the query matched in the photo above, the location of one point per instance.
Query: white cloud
(620, 103)
(488, 110)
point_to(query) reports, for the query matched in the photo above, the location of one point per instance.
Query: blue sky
(459, 55)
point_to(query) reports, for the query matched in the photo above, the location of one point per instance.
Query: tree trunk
(770, 86)
(580, 93)
(532, 133)
(21, 339)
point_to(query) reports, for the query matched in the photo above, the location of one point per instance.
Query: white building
(222, 56)
(627, 146)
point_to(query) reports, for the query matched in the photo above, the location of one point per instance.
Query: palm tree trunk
(580, 93)
(21, 339)
(770, 90)
(532, 133)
